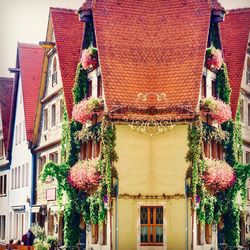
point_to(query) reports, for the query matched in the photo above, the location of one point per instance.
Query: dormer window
(99, 86)
(54, 72)
(89, 89)
(214, 89)
(204, 87)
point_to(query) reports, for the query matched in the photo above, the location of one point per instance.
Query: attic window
(54, 72)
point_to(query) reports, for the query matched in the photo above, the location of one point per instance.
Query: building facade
(6, 87)
(22, 158)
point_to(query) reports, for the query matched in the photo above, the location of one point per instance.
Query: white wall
(20, 155)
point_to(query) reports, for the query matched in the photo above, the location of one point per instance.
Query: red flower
(89, 58)
(214, 58)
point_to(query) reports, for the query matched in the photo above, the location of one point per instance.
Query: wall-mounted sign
(51, 194)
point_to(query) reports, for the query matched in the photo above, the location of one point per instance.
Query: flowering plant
(84, 175)
(214, 58)
(89, 58)
(219, 110)
(84, 110)
(218, 175)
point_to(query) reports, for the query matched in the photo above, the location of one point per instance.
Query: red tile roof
(234, 35)
(68, 36)
(147, 47)
(30, 60)
(6, 90)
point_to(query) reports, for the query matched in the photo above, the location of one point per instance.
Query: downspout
(116, 215)
(187, 232)
(33, 186)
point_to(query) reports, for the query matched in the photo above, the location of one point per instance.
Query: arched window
(54, 73)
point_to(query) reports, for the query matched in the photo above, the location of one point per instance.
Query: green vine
(91, 133)
(223, 86)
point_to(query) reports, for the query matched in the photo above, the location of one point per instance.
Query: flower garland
(218, 110)
(214, 58)
(84, 110)
(89, 58)
(218, 175)
(84, 175)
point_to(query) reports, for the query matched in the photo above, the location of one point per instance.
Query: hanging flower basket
(218, 175)
(89, 58)
(218, 110)
(214, 58)
(84, 176)
(83, 111)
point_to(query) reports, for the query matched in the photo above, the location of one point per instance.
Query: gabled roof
(151, 47)
(234, 35)
(30, 61)
(6, 90)
(68, 37)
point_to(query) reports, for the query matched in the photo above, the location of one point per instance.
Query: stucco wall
(152, 166)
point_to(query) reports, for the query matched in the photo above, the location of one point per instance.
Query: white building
(21, 192)
(6, 87)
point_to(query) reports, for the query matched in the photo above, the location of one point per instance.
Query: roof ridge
(63, 10)
(239, 10)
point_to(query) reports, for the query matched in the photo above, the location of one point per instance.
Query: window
(12, 178)
(248, 71)
(45, 121)
(203, 87)
(248, 115)
(89, 89)
(104, 233)
(41, 163)
(214, 89)
(16, 134)
(247, 157)
(16, 178)
(53, 115)
(23, 176)
(151, 225)
(94, 233)
(27, 175)
(53, 157)
(54, 73)
(242, 111)
(1, 148)
(61, 110)
(99, 86)
(20, 132)
(19, 176)
(199, 234)
(2, 227)
(208, 233)
(3, 185)
(213, 149)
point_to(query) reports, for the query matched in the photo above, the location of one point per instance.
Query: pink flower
(214, 58)
(89, 58)
(84, 175)
(218, 175)
(219, 110)
(83, 111)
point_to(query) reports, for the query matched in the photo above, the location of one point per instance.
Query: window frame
(1, 148)
(53, 115)
(153, 225)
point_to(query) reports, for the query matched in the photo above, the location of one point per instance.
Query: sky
(26, 21)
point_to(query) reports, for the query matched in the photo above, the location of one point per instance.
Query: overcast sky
(26, 21)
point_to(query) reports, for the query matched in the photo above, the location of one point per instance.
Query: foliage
(91, 133)
(89, 58)
(212, 133)
(41, 245)
(52, 240)
(80, 87)
(84, 175)
(218, 175)
(213, 58)
(215, 40)
(218, 110)
(38, 232)
(223, 86)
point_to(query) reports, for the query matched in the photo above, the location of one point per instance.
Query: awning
(37, 208)
(18, 208)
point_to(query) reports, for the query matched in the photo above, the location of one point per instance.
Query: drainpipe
(116, 215)
(33, 185)
(187, 233)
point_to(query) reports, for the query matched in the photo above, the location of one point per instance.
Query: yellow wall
(151, 167)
